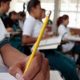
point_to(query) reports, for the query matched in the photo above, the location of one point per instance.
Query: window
(17, 5)
(71, 8)
(49, 6)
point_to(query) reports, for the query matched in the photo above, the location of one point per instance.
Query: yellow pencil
(37, 43)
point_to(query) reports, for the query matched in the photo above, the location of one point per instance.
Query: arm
(28, 30)
(11, 55)
(16, 62)
(28, 40)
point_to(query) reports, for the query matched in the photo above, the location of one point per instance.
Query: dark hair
(65, 17)
(10, 14)
(23, 14)
(32, 4)
(7, 22)
(43, 9)
(4, 1)
(60, 20)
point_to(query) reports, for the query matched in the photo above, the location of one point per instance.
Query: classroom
(39, 40)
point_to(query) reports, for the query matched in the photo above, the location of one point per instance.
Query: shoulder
(61, 26)
(30, 20)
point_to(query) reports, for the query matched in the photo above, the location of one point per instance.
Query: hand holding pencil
(38, 70)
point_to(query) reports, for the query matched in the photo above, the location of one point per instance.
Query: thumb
(16, 71)
(19, 76)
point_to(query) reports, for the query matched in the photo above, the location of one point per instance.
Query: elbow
(24, 41)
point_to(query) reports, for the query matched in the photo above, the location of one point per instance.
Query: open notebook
(54, 75)
(74, 38)
(50, 43)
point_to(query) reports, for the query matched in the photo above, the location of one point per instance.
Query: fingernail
(19, 77)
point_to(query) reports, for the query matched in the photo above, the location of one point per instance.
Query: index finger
(34, 67)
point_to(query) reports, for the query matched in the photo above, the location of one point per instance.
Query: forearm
(11, 55)
(28, 40)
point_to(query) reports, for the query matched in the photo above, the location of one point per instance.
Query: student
(21, 18)
(69, 46)
(43, 13)
(63, 31)
(48, 31)
(11, 25)
(56, 60)
(16, 60)
(33, 23)
(29, 31)
(14, 18)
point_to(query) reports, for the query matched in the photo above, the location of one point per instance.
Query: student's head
(34, 8)
(43, 13)
(21, 16)
(4, 5)
(13, 15)
(59, 21)
(65, 19)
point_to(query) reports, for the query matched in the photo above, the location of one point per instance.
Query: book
(50, 43)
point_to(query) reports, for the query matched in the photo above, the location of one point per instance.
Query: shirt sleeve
(62, 31)
(28, 27)
(4, 39)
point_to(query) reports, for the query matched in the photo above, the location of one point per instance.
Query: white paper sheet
(54, 75)
(6, 76)
(51, 43)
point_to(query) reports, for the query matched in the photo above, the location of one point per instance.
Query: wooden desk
(75, 31)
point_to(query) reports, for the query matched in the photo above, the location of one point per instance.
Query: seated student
(15, 39)
(56, 60)
(21, 19)
(43, 16)
(14, 18)
(63, 31)
(38, 70)
(8, 24)
(48, 31)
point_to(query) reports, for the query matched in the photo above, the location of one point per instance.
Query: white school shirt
(21, 23)
(3, 34)
(37, 28)
(64, 32)
(32, 27)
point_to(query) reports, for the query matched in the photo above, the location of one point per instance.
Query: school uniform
(32, 27)
(57, 61)
(70, 45)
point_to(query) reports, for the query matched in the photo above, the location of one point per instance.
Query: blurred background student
(21, 18)
(69, 46)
